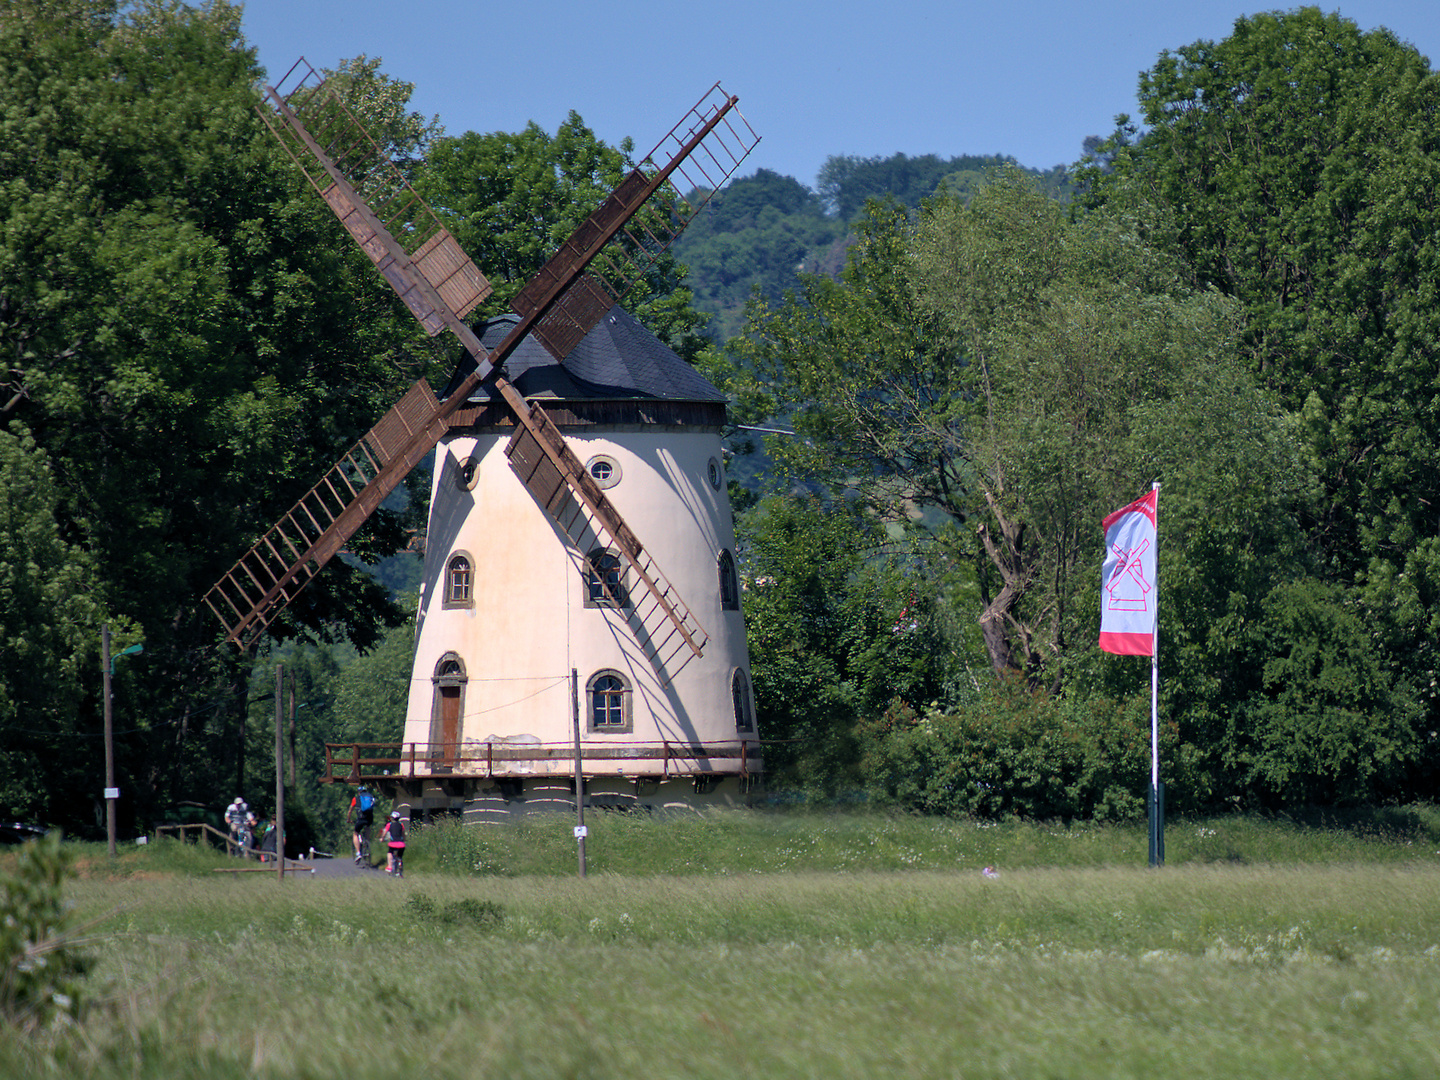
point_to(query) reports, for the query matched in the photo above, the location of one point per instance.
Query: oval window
(604, 470)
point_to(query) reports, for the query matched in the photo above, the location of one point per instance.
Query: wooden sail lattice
(271, 574)
(439, 284)
(673, 182)
(663, 625)
(393, 226)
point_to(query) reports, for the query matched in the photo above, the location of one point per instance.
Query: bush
(1014, 751)
(41, 967)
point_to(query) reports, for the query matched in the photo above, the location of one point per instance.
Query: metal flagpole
(1157, 791)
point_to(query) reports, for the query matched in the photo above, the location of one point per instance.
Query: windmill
(441, 285)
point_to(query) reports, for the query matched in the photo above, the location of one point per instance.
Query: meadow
(793, 944)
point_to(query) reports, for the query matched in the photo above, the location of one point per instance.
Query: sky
(1026, 78)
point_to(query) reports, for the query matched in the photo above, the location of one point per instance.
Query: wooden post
(579, 774)
(294, 716)
(279, 821)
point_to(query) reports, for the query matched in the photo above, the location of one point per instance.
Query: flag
(1128, 591)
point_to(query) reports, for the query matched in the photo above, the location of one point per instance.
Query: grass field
(776, 945)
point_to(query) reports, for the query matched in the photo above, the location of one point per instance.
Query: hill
(764, 230)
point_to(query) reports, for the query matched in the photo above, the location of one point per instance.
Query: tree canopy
(1298, 158)
(994, 362)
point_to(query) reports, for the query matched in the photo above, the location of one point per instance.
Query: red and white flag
(1128, 591)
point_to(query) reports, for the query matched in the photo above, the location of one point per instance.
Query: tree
(511, 199)
(186, 342)
(49, 633)
(759, 232)
(838, 629)
(846, 182)
(1299, 157)
(987, 364)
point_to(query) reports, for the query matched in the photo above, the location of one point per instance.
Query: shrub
(1014, 751)
(42, 969)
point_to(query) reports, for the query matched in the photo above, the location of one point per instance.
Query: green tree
(846, 182)
(986, 364)
(1299, 157)
(838, 630)
(186, 341)
(511, 200)
(759, 233)
(49, 633)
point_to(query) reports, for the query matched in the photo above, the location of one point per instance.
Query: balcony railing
(357, 763)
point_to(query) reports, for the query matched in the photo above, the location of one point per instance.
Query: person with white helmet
(394, 836)
(235, 817)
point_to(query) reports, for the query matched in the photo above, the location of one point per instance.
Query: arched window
(448, 710)
(459, 582)
(605, 580)
(729, 583)
(740, 696)
(609, 696)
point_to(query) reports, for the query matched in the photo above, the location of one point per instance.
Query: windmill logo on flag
(1128, 589)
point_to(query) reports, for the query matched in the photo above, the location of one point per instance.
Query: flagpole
(1157, 793)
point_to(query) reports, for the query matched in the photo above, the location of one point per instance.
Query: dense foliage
(976, 366)
(763, 233)
(1298, 158)
(1240, 306)
(42, 967)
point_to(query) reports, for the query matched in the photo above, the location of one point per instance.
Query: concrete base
(479, 800)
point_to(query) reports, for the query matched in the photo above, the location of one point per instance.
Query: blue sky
(1029, 78)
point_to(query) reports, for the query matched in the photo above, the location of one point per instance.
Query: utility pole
(111, 791)
(107, 669)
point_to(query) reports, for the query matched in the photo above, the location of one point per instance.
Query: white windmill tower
(550, 643)
(527, 626)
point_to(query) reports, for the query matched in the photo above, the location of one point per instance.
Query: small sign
(581, 832)
(112, 792)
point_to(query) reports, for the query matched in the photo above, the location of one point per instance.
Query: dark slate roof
(619, 358)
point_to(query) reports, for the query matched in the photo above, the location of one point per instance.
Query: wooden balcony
(378, 763)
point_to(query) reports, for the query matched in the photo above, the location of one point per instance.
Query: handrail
(345, 763)
(225, 839)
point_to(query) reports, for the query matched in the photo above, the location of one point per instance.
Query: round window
(716, 476)
(604, 470)
(469, 473)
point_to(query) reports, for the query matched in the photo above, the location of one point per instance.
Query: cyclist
(393, 833)
(235, 818)
(362, 812)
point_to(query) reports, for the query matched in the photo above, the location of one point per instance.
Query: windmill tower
(551, 646)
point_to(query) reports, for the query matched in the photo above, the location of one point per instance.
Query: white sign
(581, 832)
(112, 792)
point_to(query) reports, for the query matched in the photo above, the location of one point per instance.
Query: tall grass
(778, 946)
(745, 842)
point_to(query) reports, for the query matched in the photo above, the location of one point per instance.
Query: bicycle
(364, 854)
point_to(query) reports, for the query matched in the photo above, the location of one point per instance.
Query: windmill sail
(401, 234)
(698, 156)
(312, 532)
(439, 284)
(557, 479)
